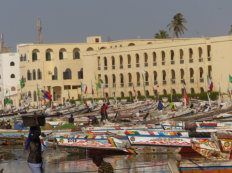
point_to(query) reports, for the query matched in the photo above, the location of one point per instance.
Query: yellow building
(121, 64)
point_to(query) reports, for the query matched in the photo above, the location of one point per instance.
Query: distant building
(60, 68)
(3, 49)
(9, 77)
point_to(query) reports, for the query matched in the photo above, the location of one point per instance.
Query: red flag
(185, 95)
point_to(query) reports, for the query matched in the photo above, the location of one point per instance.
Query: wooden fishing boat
(94, 142)
(202, 166)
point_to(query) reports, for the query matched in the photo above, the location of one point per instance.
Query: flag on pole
(22, 85)
(97, 83)
(210, 84)
(84, 88)
(185, 93)
(230, 78)
(47, 95)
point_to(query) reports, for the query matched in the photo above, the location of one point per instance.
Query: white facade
(9, 76)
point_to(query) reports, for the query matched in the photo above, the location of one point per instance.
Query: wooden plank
(172, 166)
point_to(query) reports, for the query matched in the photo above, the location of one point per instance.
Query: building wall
(166, 64)
(9, 76)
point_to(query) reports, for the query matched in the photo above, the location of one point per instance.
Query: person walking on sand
(34, 145)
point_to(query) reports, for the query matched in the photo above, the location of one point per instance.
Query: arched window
(35, 96)
(145, 60)
(34, 74)
(173, 91)
(48, 55)
(130, 94)
(131, 44)
(34, 56)
(13, 88)
(106, 81)
(173, 74)
(164, 75)
(138, 78)
(181, 56)
(172, 57)
(154, 59)
(147, 93)
(200, 52)
(99, 61)
(114, 80)
(67, 74)
(55, 76)
(39, 75)
(25, 57)
(192, 91)
(21, 57)
(191, 73)
(12, 63)
(105, 62)
(202, 90)
(129, 61)
(121, 80)
(201, 72)
(130, 79)
(28, 75)
(146, 78)
(164, 92)
(122, 94)
(190, 55)
(163, 57)
(76, 53)
(210, 71)
(29, 94)
(139, 93)
(137, 60)
(181, 73)
(61, 53)
(89, 49)
(113, 62)
(12, 76)
(155, 78)
(121, 62)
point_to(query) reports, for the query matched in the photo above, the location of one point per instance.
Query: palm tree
(177, 25)
(162, 34)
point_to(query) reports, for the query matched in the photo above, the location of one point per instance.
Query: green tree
(162, 34)
(177, 25)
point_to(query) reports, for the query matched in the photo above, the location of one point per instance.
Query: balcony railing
(172, 62)
(138, 84)
(201, 80)
(122, 85)
(146, 64)
(130, 84)
(191, 60)
(113, 67)
(99, 68)
(129, 65)
(105, 68)
(114, 85)
(154, 63)
(121, 66)
(163, 63)
(147, 83)
(155, 82)
(106, 85)
(182, 81)
(209, 58)
(191, 80)
(137, 65)
(164, 82)
(181, 61)
(200, 59)
(173, 81)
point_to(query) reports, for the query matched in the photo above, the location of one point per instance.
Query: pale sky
(71, 21)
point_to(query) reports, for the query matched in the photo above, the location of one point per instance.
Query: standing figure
(103, 167)
(104, 110)
(160, 106)
(34, 145)
(71, 119)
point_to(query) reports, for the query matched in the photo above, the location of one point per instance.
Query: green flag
(82, 100)
(21, 83)
(38, 92)
(97, 83)
(230, 78)
(7, 101)
(6, 91)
